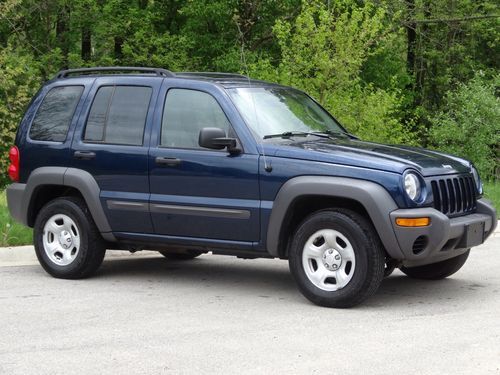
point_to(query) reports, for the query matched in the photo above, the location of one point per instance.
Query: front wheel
(439, 270)
(336, 258)
(68, 244)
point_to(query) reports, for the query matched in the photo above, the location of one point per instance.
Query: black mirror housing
(215, 138)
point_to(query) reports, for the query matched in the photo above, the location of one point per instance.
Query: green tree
(19, 80)
(469, 124)
(388, 69)
(323, 52)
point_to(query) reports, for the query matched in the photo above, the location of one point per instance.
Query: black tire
(368, 254)
(186, 255)
(437, 271)
(91, 249)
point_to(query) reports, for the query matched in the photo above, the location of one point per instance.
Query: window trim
(42, 141)
(231, 127)
(82, 136)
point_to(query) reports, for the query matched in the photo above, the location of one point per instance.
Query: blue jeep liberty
(187, 163)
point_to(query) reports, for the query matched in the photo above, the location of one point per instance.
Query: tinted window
(52, 120)
(97, 117)
(186, 112)
(118, 115)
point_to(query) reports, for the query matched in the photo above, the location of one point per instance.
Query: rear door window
(52, 120)
(118, 115)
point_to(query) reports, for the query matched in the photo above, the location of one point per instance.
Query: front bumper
(443, 238)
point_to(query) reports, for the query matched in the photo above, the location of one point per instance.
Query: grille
(454, 196)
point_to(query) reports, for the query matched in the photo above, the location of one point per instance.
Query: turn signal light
(413, 222)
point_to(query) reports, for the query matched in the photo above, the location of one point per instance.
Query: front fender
(373, 197)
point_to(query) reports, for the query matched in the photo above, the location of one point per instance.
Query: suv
(187, 163)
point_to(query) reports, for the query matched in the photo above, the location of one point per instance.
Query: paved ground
(143, 314)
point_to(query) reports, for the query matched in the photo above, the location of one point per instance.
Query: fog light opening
(419, 244)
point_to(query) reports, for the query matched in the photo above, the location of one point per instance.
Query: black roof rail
(210, 74)
(158, 71)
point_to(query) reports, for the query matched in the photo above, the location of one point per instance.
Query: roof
(227, 80)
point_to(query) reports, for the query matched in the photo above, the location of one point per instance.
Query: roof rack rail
(210, 74)
(118, 69)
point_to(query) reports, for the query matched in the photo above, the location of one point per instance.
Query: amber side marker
(413, 222)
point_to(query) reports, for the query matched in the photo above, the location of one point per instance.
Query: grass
(492, 192)
(15, 234)
(11, 232)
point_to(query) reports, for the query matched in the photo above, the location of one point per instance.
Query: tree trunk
(86, 43)
(118, 47)
(411, 35)
(422, 68)
(62, 33)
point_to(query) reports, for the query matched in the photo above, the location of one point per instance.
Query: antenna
(267, 167)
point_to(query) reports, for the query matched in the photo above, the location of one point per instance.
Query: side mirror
(215, 138)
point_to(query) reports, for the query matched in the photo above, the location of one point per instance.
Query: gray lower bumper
(444, 238)
(16, 203)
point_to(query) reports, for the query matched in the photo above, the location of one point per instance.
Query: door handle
(84, 155)
(167, 162)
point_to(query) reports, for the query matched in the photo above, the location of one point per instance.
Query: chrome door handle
(167, 162)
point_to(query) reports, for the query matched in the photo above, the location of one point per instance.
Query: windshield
(273, 111)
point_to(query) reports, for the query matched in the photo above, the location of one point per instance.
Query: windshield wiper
(322, 134)
(337, 134)
(297, 134)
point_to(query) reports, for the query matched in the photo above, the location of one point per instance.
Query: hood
(358, 153)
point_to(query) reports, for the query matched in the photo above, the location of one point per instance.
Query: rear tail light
(14, 163)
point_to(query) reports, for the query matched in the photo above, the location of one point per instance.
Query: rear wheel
(68, 244)
(439, 270)
(336, 258)
(186, 255)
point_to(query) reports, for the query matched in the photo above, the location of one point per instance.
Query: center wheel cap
(65, 239)
(332, 259)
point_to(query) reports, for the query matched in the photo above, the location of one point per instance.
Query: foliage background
(420, 72)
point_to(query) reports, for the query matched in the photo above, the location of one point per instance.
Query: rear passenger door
(111, 143)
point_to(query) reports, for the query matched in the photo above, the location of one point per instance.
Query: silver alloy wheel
(61, 239)
(328, 260)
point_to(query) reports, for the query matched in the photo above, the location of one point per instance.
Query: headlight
(412, 186)
(477, 180)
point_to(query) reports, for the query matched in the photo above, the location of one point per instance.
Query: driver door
(198, 192)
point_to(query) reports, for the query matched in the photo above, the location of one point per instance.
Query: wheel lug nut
(330, 251)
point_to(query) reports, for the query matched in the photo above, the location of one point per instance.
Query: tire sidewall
(359, 242)
(71, 209)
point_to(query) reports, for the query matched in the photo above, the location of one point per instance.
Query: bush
(469, 125)
(18, 82)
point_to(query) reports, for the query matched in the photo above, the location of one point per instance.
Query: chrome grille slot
(455, 195)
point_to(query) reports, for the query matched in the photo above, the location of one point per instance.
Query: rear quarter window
(52, 120)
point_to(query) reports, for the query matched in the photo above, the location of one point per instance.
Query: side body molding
(374, 198)
(71, 177)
